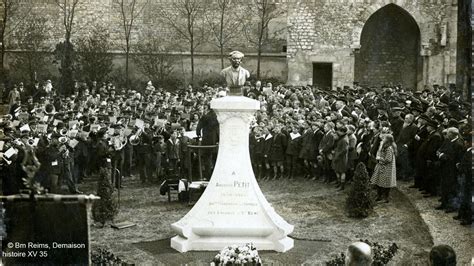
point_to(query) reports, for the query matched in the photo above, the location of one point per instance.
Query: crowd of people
(305, 132)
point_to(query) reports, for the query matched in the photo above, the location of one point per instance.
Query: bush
(381, 255)
(95, 63)
(360, 203)
(66, 57)
(152, 61)
(31, 62)
(172, 83)
(105, 257)
(104, 209)
(118, 77)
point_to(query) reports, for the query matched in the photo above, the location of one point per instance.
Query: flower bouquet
(238, 255)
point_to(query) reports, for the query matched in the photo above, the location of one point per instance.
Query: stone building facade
(372, 42)
(327, 43)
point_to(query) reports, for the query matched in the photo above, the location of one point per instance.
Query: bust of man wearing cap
(235, 75)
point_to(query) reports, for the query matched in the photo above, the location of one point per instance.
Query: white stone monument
(232, 209)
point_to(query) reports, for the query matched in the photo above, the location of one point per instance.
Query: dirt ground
(322, 229)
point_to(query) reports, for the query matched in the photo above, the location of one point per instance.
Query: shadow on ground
(161, 249)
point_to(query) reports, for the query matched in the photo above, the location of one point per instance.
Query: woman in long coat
(340, 158)
(385, 173)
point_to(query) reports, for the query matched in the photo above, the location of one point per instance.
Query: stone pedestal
(233, 209)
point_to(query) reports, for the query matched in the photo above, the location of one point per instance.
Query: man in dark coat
(258, 150)
(427, 157)
(144, 150)
(208, 128)
(341, 107)
(325, 149)
(420, 137)
(449, 154)
(318, 135)
(118, 155)
(465, 169)
(404, 141)
(277, 152)
(173, 153)
(396, 121)
(307, 150)
(292, 151)
(266, 147)
(65, 162)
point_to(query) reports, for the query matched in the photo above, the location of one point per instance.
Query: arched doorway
(390, 50)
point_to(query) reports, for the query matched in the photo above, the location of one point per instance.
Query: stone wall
(207, 67)
(106, 15)
(330, 31)
(309, 31)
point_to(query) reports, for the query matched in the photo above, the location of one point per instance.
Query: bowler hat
(432, 123)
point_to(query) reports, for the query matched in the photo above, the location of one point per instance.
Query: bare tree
(225, 25)
(68, 8)
(264, 11)
(64, 51)
(94, 59)
(186, 18)
(152, 60)
(31, 39)
(11, 19)
(130, 10)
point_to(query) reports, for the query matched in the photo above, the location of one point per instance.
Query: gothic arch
(389, 48)
(414, 13)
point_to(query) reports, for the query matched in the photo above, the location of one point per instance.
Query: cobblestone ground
(322, 229)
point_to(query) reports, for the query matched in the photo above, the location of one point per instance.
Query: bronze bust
(235, 75)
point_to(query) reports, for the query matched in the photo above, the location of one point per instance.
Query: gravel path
(443, 228)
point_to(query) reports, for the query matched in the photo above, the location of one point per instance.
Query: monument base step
(248, 232)
(182, 244)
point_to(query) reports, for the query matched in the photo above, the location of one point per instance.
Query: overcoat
(341, 151)
(385, 172)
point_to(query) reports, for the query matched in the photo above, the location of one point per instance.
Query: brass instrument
(63, 132)
(63, 139)
(135, 139)
(18, 142)
(30, 142)
(8, 117)
(119, 142)
(49, 109)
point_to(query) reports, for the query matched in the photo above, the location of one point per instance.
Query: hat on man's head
(236, 54)
(454, 123)
(424, 117)
(342, 99)
(432, 123)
